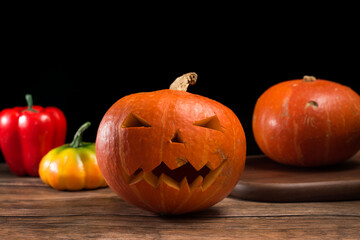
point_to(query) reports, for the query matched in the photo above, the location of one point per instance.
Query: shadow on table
(211, 212)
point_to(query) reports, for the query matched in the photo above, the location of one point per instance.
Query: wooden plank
(45, 201)
(136, 227)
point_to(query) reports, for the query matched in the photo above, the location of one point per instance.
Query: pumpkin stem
(77, 141)
(309, 78)
(182, 82)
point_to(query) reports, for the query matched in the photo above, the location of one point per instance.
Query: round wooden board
(268, 181)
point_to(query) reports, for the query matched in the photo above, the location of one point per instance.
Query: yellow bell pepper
(72, 166)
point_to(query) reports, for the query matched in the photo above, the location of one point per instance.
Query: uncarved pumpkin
(170, 151)
(308, 122)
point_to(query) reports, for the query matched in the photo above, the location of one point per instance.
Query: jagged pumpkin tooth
(168, 180)
(184, 185)
(151, 178)
(125, 176)
(135, 178)
(196, 183)
(211, 177)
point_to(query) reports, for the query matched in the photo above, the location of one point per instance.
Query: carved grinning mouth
(180, 173)
(177, 178)
(186, 174)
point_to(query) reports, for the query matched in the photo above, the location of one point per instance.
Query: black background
(86, 66)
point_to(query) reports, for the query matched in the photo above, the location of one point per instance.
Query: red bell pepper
(28, 133)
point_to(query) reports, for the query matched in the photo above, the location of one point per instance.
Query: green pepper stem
(29, 102)
(77, 141)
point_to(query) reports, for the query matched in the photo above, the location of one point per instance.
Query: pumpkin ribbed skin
(68, 168)
(190, 134)
(311, 123)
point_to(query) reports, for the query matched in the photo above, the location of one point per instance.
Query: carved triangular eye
(134, 120)
(210, 122)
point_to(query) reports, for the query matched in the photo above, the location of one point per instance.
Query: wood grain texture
(31, 210)
(266, 180)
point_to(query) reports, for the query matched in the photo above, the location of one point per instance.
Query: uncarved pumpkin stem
(182, 82)
(309, 78)
(77, 141)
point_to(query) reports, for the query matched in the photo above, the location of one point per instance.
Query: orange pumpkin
(171, 151)
(308, 122)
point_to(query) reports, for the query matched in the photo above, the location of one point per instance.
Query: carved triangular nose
(177, 138)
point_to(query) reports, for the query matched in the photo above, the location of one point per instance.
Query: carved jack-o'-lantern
(171, 151)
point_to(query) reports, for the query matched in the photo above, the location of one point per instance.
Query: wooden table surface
(31, 210)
